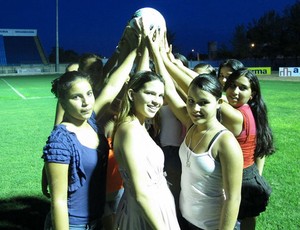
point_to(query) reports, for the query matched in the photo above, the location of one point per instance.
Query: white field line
(33, 98)
(16, 91)
(21, 95)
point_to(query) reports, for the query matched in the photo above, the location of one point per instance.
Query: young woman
(246, 117)
(75, 154)
(211, 157)
(147, 202)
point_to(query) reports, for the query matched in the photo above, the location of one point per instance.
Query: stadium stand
(20, 46)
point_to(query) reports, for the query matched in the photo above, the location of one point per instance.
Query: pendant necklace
(189, 152)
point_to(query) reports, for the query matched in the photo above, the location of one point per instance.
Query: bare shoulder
(228, 145)
(127, 134)
(127, 129)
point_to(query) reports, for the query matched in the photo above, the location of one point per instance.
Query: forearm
(44, 183)
(59, 114)
(192, 74)
(110, 64)
(143, 59)
(119, 76)
(182, 79)
(229, 213)
(151, 211)
(59, 214)
(260, 163)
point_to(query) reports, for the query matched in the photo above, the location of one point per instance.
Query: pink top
(247, 138)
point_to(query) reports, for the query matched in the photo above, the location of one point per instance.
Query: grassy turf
(27, 115)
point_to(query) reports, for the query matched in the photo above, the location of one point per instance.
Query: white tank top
(202, 194)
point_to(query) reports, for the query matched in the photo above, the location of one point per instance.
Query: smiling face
(79, 101)
(201, 105)
(148, 100)
(239, 92)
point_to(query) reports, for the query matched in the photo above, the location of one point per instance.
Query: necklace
(189, 152)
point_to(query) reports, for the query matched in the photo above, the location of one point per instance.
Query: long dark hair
(264, 136)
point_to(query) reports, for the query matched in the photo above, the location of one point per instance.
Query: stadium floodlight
(57, 41)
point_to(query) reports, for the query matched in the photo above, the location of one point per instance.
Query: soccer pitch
(27, 117)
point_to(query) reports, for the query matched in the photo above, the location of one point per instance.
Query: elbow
(234, 199)
(141, 198)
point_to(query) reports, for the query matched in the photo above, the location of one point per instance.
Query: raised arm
(192, 74)
(129, 41)
(177, 71)
(175, 102)
(59, 114)
(143, 60)
(114, 84)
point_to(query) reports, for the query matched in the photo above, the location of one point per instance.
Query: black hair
(62, 84)
(182, 58)
(234, 64)
(264, 137)
(206, 67)
(92, 65)
(208, 83)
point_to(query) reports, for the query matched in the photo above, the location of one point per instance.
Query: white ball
(151, 18)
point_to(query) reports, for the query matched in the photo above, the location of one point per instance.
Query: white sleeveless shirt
(202, 195)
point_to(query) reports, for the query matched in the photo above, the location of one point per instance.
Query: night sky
(97, 25)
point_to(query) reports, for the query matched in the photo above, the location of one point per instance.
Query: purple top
(87, 171)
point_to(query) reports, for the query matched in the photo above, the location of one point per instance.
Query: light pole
(57, 41)
(197, 55)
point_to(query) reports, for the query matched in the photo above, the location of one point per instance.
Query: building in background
(21, 46)
(212, 50)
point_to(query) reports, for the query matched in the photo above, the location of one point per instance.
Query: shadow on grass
(26, 213)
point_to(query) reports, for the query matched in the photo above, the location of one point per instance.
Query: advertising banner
(289, 71)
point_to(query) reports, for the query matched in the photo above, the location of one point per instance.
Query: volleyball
(151, 18)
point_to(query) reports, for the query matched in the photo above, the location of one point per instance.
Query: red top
(247, 138)
(114, 181)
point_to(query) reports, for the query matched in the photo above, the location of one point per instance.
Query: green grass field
(27, 115)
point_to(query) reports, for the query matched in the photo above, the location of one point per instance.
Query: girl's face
(224, 74)
(239, 92)
(148, 100)
(79, 101)
(201, 105)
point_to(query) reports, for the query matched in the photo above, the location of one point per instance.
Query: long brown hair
(136, 82)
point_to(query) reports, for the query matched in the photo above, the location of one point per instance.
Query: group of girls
(222, 154)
